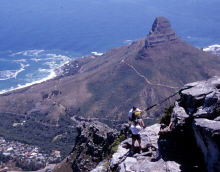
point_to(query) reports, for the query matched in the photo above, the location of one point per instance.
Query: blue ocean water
(54, 31)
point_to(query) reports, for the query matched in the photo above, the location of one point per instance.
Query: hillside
(108, 86)
(105, 87)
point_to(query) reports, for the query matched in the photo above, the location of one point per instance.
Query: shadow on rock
(181, 147)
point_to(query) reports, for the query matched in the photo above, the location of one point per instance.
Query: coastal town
(14, 154)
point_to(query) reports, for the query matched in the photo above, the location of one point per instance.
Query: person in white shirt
(135, 128)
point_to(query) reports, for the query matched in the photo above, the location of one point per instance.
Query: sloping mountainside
(191, 144)
(105, 87)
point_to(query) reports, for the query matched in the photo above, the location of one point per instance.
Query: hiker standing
(135, 128)
(134, 112)
(137, 124)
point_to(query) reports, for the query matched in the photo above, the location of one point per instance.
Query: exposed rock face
(199, 107)
(207, 133)
(91, 147)
(160, 33)
(121, 161)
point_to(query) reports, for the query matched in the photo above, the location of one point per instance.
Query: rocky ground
(145, 161)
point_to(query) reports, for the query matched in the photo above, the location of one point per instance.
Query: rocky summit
(160, 33)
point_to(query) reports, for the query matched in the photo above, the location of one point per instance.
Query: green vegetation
(107, 164)
(33, 132)
(114, 146)
(165, 118)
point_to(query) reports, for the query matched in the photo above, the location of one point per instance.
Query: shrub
(165, 118)
(114, 146)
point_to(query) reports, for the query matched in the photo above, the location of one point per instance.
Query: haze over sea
(38, 36)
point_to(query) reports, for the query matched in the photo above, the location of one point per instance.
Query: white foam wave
(28, 53)
(8, 74)
(36, 59)
(21, 60)
(54, 61)
(213, 49)
(43, 70)
(52, 57)
(19, 86)
(95, 53)
(57, 57)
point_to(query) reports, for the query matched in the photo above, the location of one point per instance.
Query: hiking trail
(146, 80)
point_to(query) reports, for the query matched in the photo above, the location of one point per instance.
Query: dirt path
(146, 80)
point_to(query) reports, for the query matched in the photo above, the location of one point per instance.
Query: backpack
(135, 116)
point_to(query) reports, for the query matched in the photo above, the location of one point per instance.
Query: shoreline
(52, 75)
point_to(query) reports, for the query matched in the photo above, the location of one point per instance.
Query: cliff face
(202, 104)
(160, 33)
(91, 147)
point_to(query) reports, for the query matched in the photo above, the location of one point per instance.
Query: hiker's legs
(132, 145)
(139, 142)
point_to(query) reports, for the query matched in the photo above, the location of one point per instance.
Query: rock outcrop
(91, 147)
(160, 33)
(145, 161)
(202, 106)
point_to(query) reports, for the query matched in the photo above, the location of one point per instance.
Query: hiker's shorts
(136, 136)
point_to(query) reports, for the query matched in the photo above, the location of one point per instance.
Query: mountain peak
(161, 25)
(161, 32)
